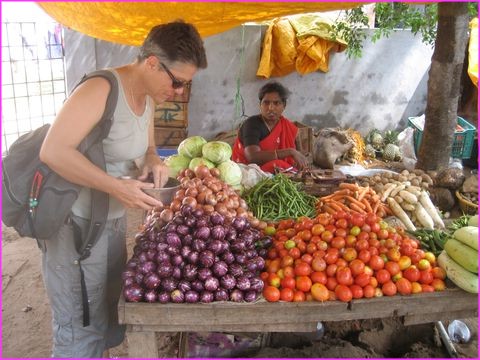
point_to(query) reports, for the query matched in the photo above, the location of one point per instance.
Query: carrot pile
(353, 198)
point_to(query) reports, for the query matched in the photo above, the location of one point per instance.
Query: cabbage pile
(195, 151)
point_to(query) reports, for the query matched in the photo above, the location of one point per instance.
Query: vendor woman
(269, 139)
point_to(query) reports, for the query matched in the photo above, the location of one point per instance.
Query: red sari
(281, 137)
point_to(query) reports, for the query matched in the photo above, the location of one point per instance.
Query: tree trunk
(444, 86)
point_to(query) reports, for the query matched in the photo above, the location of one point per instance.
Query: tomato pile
(343, 257)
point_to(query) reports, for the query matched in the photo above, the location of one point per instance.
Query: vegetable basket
(467, 206)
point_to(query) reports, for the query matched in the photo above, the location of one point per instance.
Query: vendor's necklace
(268, 127)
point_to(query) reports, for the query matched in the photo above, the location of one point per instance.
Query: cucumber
(467, 235)
(464, 255)
(473, 221)
(464, 279)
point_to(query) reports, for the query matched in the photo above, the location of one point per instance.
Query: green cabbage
(192, 146)
(200, 161)
(230, 172)
(177, 163)
(217, 151)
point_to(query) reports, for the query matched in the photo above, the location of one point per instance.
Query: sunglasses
(176, 84)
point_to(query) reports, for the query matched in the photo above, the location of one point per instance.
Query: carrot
(337, 193)
(368, 208)
(357, 208)
(328, 209)
(341, 205)
(376, 206)
(362, 193)
(355, 201)
(334, 205)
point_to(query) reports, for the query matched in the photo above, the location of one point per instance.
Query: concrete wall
(381, 89)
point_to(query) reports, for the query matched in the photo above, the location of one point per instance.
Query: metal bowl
(165, 194)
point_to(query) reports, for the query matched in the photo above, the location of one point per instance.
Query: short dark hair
(175, 41)
(272, 87)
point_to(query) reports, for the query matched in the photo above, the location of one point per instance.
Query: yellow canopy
(129, 22)
(473, 52)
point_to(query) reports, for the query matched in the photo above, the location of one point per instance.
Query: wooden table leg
(142, 344)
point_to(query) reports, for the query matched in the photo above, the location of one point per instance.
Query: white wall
(381, 89)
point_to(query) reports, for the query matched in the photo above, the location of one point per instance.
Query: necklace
(268, 127)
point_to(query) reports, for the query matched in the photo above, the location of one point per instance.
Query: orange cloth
(282, 136)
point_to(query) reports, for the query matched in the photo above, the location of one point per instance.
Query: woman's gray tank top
(127, 141)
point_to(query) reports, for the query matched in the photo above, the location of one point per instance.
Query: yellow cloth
(473, 52)
(129, 22)
(300, 43)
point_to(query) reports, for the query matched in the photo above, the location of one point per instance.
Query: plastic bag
(407, 148)
(251, 175)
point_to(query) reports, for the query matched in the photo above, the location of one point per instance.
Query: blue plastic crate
(164, 152)
(462, 141)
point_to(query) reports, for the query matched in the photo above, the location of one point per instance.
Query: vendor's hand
(300, 160)
(153, 164)
(129, 192)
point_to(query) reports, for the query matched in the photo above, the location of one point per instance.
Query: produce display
(382, 146)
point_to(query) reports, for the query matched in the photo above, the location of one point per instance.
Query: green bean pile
(279, 198)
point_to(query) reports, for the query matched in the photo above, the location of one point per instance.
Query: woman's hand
(300, 160)
(153, 164)
(129, 192)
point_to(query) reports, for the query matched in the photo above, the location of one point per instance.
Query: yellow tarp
(299, 42)
(473, 52)
(129, 22)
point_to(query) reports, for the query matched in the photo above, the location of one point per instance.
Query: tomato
(373, 251)
(357, 291)
(368, 270)
(416, 288)
(319, 292)
(430, 257)
(343, 293)
(340, 215)
(341, 232)
(366, 228)
(338, 242)
(317, 229)
(382, 234)
(323, 218)
(331, 283)
(269, 230)
(280, 273)
(288, 282)
(344, 276)
(357, 267)
(289, 244)
(298, 296)
(424, 264)
(427, 288)
(393, 254)
(290, 233)
(389, 288)
(302, 247)
(286, 294)
(272, 253)
(375, 227)
(350, 240)
(404, 286)
(341, 223)
(327, 236)
(311, 248)
(368, 291)
(392, 267)
(302, 269)
(341, 262)
(364, 256)
(264, 276)
(439, 273)
(417, 256)
(362, 279)
(322, 245)
(407, 250)
(355, 230)
(331, 256)
(303, 283)
(307, 258)
(319, 277)
(294, 253)
(288, 271)
(331, 269)
(363, 236)
(307, 224)
(438, 284)
(274, 280)
(349, 254)
(306, 235)
(411, 273)
(273, 266)
(318, 264)
(376, 262)
(287, 260)
(271, 293)
(357, 220)
(426, 277)
(404, 262)
(371, 218)
(362, 244)
(382, 276)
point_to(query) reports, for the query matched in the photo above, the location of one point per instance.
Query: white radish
(387, 190)
(408, 196)
(401, 214)
(407, 206)
(430, 208)
(397, 189)
(423, 217)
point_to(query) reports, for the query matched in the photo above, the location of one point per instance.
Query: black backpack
(35, 200)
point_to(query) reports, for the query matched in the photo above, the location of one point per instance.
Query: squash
(467, 235)
(473, 221)
(462, 278)
(464, 255)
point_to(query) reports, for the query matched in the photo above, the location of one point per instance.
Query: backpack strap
(92, 147)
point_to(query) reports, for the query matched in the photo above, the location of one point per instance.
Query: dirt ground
(26, 322)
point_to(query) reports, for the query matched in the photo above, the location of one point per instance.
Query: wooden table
(144, 320)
